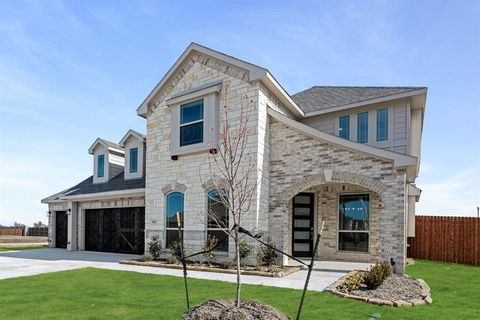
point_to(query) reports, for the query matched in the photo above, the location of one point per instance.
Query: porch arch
(328, 176)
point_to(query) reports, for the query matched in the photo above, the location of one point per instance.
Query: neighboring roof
(107, 144)
(138, 135)
(255, 72)
(399, 159)
(321, 99)
(87, 186)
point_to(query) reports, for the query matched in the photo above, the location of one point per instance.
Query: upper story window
(100, 166)
(382, 124)
(344, 127)
(217, 222)
(133, 160)
(191, 123)
(362, 127)
(174, 205)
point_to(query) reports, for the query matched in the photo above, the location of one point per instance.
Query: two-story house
(348, 156)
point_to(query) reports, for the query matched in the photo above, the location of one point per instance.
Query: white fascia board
(106, 195)
(106, 146)
(256, 72)
(272, 84)
(399, 160)
(367, 102)
(414, 191)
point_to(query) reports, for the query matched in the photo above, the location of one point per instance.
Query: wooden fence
(449, 239)
(37, 231)
(11, 231)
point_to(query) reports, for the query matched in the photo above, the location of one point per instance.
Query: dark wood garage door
(118, 230)
(61, 229)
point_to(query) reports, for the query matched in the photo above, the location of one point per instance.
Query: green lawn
(103, 294)
(4, 249)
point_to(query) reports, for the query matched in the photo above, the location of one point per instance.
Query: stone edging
(279, 274)
(426, 297)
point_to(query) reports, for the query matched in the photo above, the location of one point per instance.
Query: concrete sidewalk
(32, 262)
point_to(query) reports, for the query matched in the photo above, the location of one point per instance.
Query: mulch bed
(226, 310)
(396, 290)
(276, 271)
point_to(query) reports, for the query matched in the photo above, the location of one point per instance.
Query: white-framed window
(217, 218)
(100, 166)
(133, 160)
(195, 119)
(382, 124)
(191, 123)
(344, 127)
(174, 204)
(353, 226)
(362, 127)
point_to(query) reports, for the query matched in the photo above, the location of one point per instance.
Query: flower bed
(396, 290)
(273, 271)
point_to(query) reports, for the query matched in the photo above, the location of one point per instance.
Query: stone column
(72, 212)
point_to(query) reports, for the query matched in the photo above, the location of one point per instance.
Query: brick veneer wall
(299, 162)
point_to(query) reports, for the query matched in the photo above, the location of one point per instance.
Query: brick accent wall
(299, 162)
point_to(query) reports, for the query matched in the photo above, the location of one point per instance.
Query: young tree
(232, 170)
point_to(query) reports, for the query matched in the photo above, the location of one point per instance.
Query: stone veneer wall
(192, 171)
(82, 206)
(299, 162)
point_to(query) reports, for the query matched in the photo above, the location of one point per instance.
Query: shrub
(209, 244)
(351, 283)
(147, 256)
(377, 273)
(228, 264)
(155, 247)
(268, 256)
(245, 250)
(175, 250)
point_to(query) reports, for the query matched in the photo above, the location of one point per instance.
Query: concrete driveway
(32, 262)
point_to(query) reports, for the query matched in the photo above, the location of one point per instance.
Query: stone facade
(299, 163)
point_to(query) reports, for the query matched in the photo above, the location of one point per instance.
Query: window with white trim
(362, 127)
(191, 123)
(344, 127)
(217, 218)
(175, 203)
(133, 160)
(353, 226)
(100, 166)
(382, 124)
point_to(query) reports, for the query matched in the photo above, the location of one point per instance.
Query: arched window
(174, 205)
(217, 222)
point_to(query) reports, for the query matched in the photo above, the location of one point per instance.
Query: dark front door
(302, 237)
(119, 230)
(61, 229)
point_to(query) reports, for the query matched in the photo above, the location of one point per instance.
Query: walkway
(32, 262)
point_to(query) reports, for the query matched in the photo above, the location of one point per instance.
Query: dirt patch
(275, 271)
(18, 241)
(226, 310)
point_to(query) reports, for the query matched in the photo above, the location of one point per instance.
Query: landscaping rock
(226, 310)
(402, 303)
(395, 287)
(428, 300)
(380, 302)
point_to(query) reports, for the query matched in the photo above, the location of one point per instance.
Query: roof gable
(132, 133)
(220, 61)
(108, 145)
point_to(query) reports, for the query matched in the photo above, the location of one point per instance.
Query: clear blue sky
(71, 71)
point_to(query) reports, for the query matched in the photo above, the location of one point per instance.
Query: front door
(302, 237)
(61, 228)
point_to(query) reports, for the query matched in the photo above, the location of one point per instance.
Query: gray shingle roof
(88, 187)
(112, 144)
(325, 97)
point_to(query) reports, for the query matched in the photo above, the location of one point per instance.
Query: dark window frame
(193, 123)
(382, 124)
(346, 231)
(218, 228)
(169, 230)
(101, 174)
(344, 132)
(362, 138)
(133, 170)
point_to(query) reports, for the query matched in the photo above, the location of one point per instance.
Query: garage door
(120, 230)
